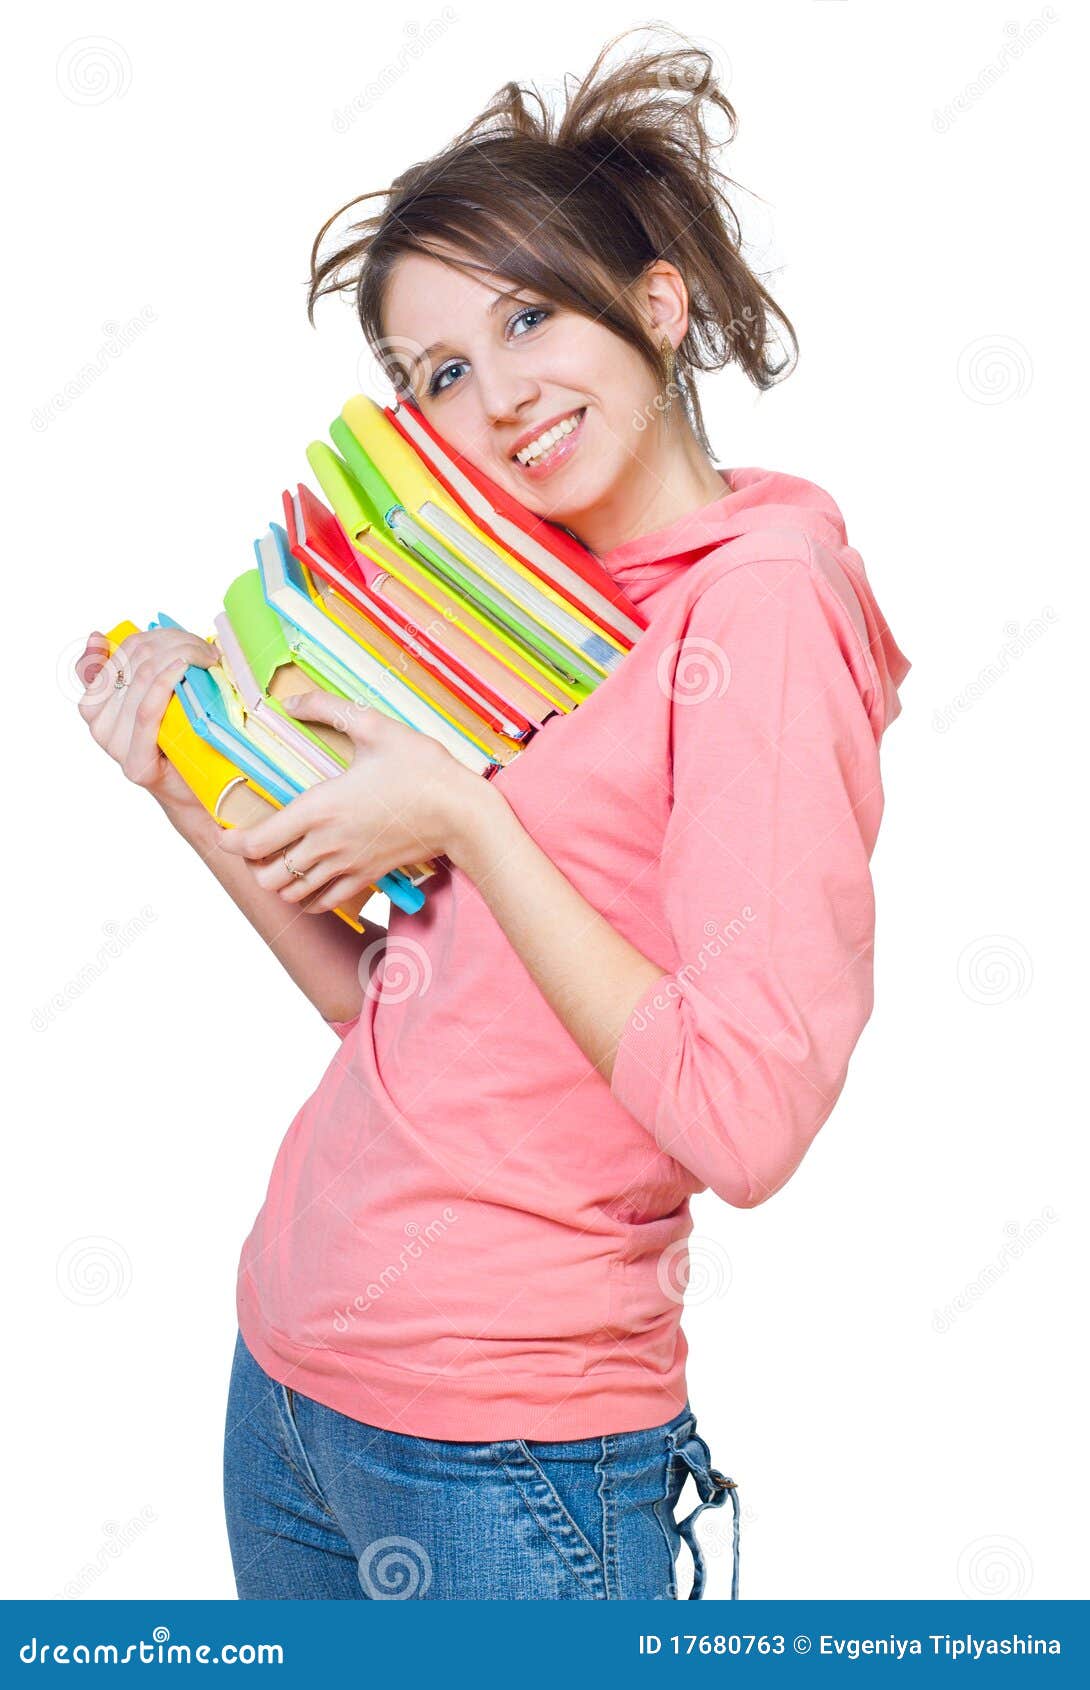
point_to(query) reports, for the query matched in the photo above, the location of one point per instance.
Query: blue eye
(434, 384)
(438, 385)
(530, 311)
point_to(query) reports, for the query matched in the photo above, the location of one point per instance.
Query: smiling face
(497, 369)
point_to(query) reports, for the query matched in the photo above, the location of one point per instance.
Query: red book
(317, 540)
(543, 546)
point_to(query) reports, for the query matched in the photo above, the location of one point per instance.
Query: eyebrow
(438, 345)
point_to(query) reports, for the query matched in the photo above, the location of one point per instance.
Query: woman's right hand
(125, 721)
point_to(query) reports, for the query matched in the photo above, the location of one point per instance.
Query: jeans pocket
(551, 1513)
(295, 1449)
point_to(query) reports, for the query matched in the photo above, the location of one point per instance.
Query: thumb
(320, 706)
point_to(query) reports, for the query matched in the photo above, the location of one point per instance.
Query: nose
(506, 395)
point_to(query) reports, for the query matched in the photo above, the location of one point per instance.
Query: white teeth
(536, 447)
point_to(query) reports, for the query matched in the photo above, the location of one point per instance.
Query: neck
(678, 479)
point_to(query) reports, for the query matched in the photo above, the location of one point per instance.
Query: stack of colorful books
(421, 589)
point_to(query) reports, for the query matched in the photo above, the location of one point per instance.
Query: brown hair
(575, 209)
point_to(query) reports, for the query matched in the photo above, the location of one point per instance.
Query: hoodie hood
(763, 501)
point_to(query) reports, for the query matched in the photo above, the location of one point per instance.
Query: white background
(916, 221)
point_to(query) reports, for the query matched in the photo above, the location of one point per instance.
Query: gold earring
(667, 350)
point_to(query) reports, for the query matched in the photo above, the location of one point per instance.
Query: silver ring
(299, 873)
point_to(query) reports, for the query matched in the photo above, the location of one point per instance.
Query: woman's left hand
(403, 799)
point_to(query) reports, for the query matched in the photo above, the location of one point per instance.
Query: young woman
(647, 957)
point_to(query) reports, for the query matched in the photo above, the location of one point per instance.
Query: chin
(574, 505)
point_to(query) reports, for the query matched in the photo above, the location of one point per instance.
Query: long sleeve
(735, 1059)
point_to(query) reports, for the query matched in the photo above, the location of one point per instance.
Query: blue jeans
(323, 1507)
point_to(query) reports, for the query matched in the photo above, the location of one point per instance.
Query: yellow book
(340, 488)
(428, 501)
(231, 798)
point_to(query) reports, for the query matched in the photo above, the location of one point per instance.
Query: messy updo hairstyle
(574, 206)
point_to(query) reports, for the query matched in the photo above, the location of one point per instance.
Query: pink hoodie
(469, 1234)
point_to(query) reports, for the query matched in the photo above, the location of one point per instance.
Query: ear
(665, 302)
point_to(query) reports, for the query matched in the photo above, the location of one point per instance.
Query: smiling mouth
(552, 444)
